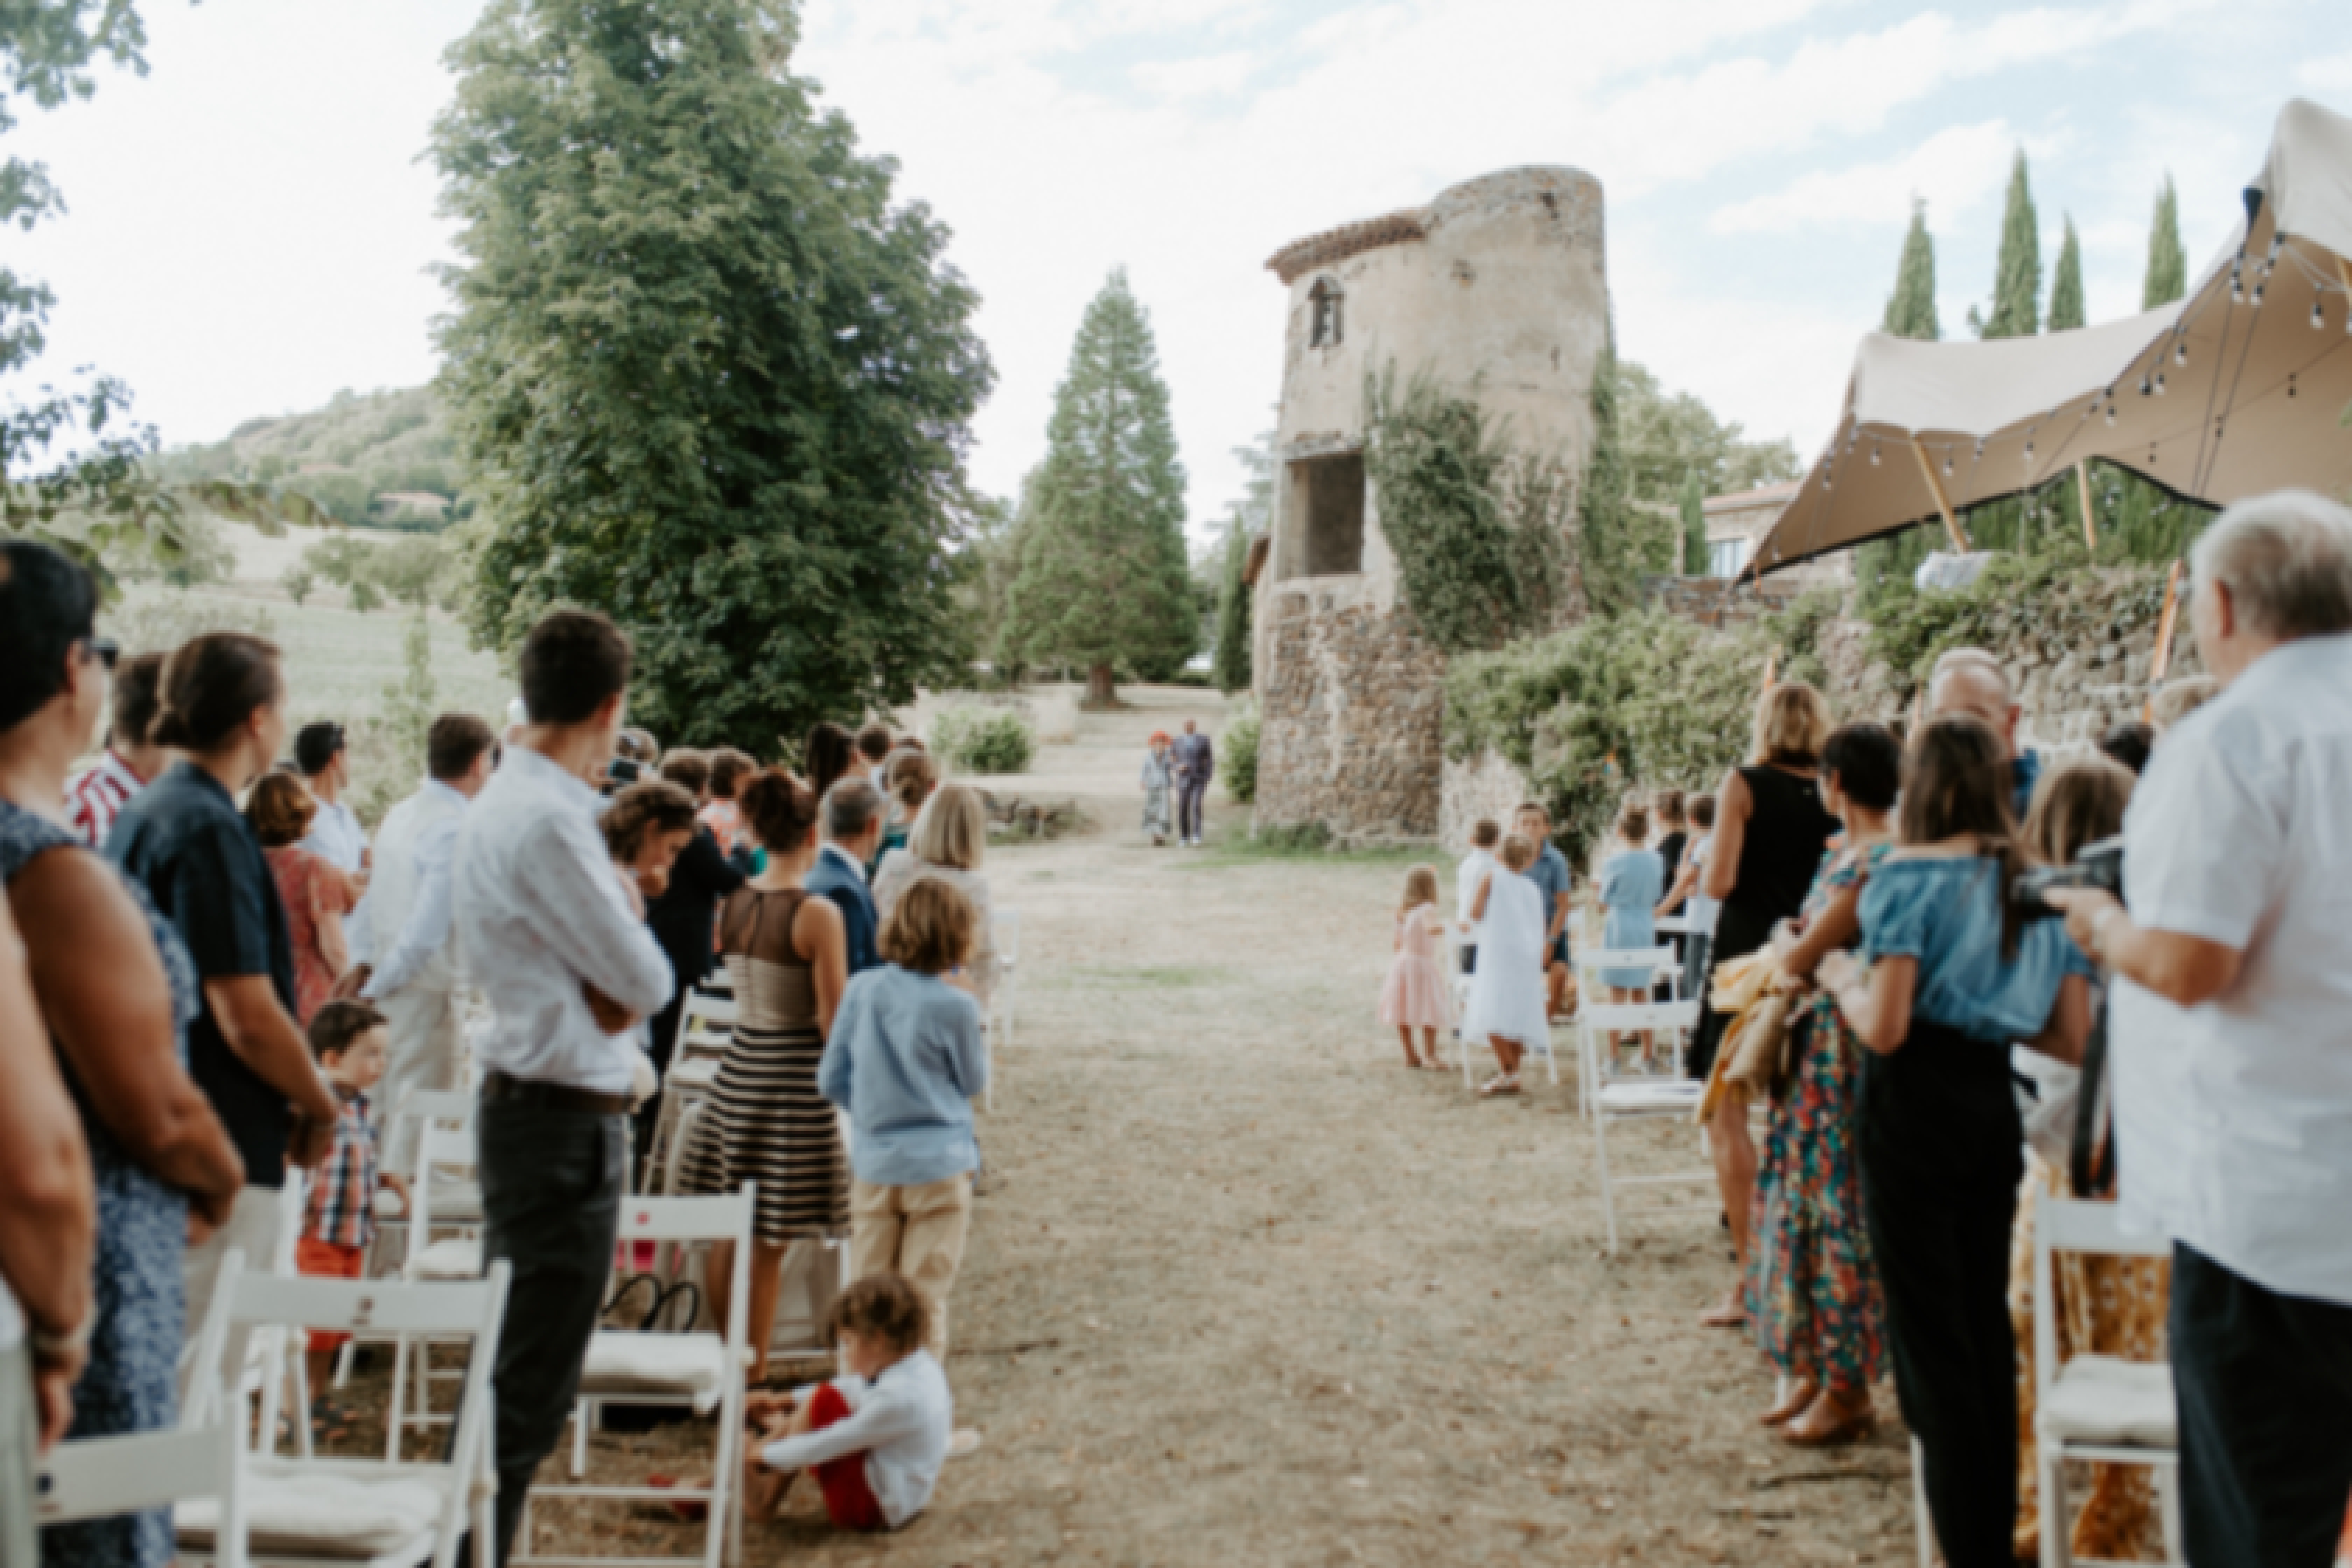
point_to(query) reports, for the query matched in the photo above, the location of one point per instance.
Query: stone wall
(1352, 701)
(1486, 786)
(1719, 602)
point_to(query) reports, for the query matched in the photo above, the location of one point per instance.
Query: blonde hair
(951, 830)
(2080, 804)
(1792, 724)
(931, 928)
(1519, 851)
(1420, 888)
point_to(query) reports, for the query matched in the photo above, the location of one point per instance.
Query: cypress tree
(2017, 283)
(1911, 308)
(1694, 510)
(2167, 264)
(2067, 310)
(1231, 666)
(1104, 580)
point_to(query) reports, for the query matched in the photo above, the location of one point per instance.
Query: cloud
(1953, 171)
(2331, 75)
(1203, 76)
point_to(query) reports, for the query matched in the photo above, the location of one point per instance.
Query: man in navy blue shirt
(853, 828)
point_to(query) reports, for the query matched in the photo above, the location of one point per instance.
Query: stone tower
(1500, 290)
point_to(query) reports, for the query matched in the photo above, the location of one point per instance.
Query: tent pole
(2090, 528)
(1943, 504)
(2161, 659)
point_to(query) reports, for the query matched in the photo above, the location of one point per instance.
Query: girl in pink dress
(1415, 996)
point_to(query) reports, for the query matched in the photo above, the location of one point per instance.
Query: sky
(252, 225)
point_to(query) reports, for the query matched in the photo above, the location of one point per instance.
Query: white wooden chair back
(98, 1477)
(705, 1024)
(438, 1149)
(429, 1108)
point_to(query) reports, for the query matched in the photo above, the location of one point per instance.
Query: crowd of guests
(236, 985)
(1928, 1096)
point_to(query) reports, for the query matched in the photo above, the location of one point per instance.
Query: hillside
(378, 457)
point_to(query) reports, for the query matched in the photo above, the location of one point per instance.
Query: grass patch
(1310, 844)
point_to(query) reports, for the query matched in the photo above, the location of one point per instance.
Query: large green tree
(1663, 435)
(2017, 277)
(1694, 519)
(1253, 515)
(1911, 308)
(2168, 263)
(1104, 583)
(2067, 310)
(710, 378)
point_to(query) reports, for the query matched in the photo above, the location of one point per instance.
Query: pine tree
(2017, 282)
(2066, 308)
(1104, 582)
(1694, 515)
(710, 377)
(1911, 308)
(2167, 264)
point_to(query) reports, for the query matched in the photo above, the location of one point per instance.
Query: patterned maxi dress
(765, 1120)
(130, 1383)
(1812, 1289)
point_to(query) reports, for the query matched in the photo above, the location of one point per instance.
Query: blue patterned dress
(142, 1225)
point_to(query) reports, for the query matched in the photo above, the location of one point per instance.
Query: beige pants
(425, 1039)
(918, 1232)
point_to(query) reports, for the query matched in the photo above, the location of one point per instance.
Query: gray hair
(2287, 559)
(850, 807)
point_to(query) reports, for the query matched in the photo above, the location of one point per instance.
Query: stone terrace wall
(1719, 602)
(1351, 721)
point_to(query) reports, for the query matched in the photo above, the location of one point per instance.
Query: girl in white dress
(1506, 993)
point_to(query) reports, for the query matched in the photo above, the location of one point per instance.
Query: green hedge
(984, 738)
(1237, 762)
(2059, 597)
(1649, 700)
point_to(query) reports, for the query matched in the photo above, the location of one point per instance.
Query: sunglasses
(106, 650)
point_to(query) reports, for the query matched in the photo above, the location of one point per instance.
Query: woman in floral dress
(1811, 1289)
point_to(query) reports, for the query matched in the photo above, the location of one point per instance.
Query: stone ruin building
(1499, 289)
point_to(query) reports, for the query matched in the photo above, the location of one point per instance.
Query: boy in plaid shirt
(350, 1039)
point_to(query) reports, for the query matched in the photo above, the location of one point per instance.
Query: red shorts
(848, 1499)
(312, 1255)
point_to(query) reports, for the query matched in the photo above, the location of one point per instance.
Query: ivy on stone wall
(1644, 700)
(1478, 526)
(2060, 599)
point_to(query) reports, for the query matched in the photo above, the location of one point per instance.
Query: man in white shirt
(404, 943)
(335, 836)
(1472, 870)
(2231, 1029)
(570, 970)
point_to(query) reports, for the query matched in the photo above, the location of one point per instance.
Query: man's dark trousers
(2265, 1387)
(1191, 791)
(551, 1186)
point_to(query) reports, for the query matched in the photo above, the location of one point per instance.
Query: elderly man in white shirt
(2231, 1025)
(403, 936)
(570, 968)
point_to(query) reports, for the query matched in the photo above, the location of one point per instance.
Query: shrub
(1238, 766)
(985, 739)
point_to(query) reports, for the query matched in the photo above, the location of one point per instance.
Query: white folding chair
(696, 1369)
(370, 1513)
(706, 1026)
(456, 1200)
(707, 1022)
(1641, 1100)
(455, 1255)
(1004, 931)
(268, 1367)
(98, 1477)
(2095, 1407)
(1593, 1058)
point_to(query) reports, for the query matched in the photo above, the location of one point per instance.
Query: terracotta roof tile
(1301, 256)
(1764, 496)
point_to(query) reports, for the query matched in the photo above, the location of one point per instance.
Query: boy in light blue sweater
(905, 1059)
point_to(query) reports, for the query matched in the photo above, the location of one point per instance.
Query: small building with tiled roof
(1734, 522)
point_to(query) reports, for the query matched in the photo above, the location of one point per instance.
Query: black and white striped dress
(765, 1120)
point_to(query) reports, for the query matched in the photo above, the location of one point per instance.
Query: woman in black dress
(1771, 829)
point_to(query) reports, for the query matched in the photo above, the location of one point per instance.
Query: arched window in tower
(1326, 299)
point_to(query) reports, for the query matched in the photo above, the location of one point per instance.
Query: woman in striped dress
(765, 1122)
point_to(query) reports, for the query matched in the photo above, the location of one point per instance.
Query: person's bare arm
(2184, 970)
(1836, 926)
(1876, 1003)
(1685, 882)
(2069, 1027)
(264, 1037)
(1732, 806)
(95, 966)
(49, 1205)
(332, 945)
(819, 935)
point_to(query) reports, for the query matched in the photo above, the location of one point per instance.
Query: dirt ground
(1256, 1294)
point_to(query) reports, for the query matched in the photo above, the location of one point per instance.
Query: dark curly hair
(653, 806)
(883, 1307)
(780, 809)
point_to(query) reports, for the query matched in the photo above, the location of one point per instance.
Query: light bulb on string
(1947, 462)
(2258, 296)
(2111, 410)
(2290, 384)
(1874, 454)
(2160, 383)
(1979, 458)
(2180, 352)
(2318, 316)
(2146, 385)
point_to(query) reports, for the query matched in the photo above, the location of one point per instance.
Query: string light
(2290, 384)
(2237, 279)
(2180, 350)
(2318, 316)
(2159, 382)
(2258, 296)
(2111, 408)
(2146, 386)
(1979, 458)
(1874, 454)
(1947, 462)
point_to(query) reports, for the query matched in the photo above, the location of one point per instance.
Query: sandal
(1726, 1313)
(1793, 1404)
(1841, 1424)
(1501, 1083)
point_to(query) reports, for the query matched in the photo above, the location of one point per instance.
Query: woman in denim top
(1955, 974)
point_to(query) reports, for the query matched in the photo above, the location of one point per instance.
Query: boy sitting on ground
(350, 1039)
(876, 1437)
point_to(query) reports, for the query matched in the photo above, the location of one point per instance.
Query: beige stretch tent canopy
(2236, 389)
